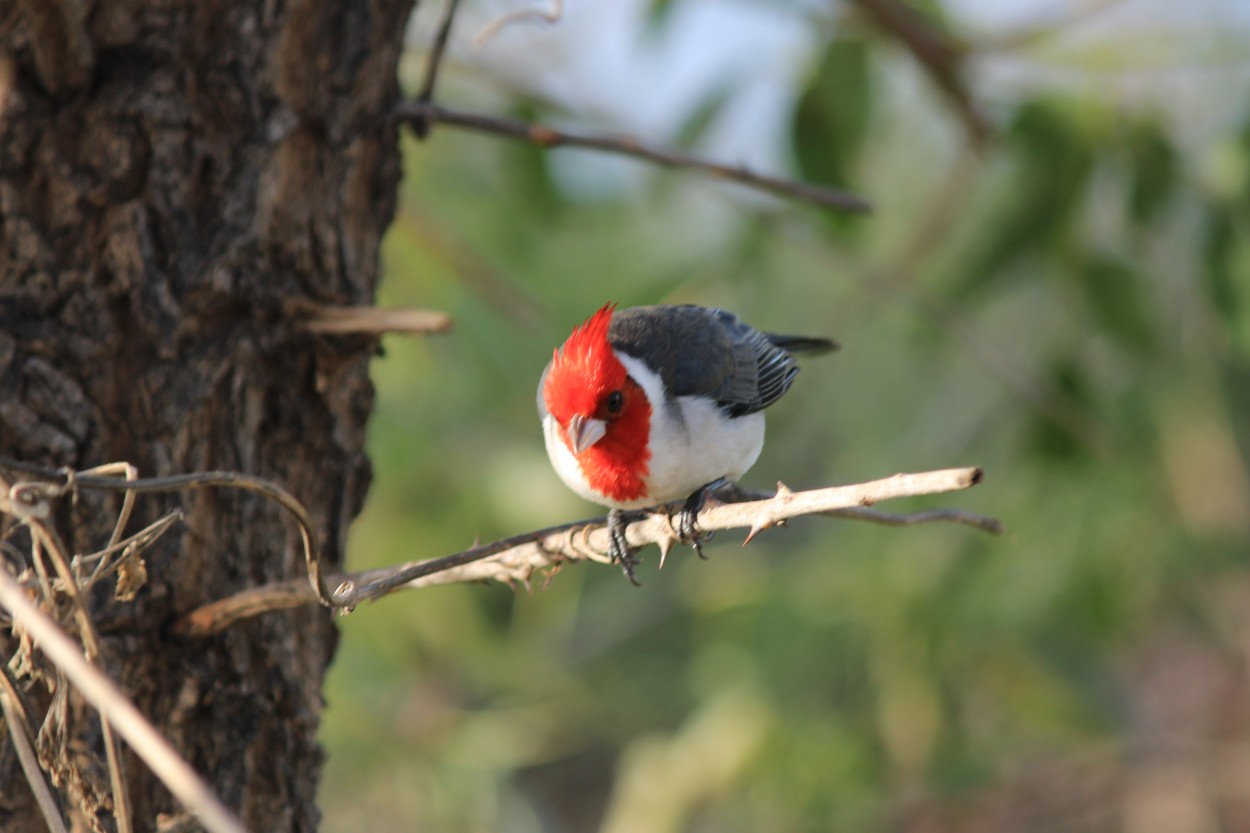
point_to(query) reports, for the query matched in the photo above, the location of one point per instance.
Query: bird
(643, 406)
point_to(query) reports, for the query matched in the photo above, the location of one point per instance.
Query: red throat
(584, 372)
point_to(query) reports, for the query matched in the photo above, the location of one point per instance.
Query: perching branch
(424, 113)
(516, 559)
(509, 560)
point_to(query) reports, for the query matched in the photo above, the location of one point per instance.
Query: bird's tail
(802, 344)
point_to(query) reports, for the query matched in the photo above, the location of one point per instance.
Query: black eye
(615, 402)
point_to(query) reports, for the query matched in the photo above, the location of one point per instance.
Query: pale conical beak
(583, 432)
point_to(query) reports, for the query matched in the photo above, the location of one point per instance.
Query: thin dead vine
(46, 605)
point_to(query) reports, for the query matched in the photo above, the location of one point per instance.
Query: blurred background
(1054, 285)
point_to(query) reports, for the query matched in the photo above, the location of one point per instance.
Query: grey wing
(700, 351)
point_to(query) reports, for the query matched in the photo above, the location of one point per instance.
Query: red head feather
(584, 369)
(584, 373)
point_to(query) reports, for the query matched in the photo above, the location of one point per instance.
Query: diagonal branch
(941, 56)
(516, 559)
(421, 112)
(509, 560)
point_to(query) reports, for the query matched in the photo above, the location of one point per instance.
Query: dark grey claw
(619, 549)
(684, 524)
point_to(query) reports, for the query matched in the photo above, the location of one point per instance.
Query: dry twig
(17, 719)
(29, 503)
(117, 710)
(371, 320)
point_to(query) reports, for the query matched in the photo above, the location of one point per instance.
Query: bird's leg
(619, 549)
(685, 527)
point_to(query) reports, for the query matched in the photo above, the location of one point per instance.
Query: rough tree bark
(173, 177)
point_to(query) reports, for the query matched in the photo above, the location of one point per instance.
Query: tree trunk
(175, 179)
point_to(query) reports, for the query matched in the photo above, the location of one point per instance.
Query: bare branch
(116, 710)
(414, 112)
(941, 56)
(512, 559)
(372, 320)
(516, 559)
(422, 127)
(215, 617)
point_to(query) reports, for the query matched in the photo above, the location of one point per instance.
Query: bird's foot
(619, 549)
(685, 526)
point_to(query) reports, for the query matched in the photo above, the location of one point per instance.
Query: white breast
(693, 442)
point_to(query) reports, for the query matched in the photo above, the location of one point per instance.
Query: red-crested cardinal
(646, 405)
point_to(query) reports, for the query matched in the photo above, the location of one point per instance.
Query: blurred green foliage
(1080, 328)
(832, 116)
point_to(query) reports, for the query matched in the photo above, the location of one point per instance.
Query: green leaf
(1154, 170)
(1220, 256)
(1048, 437)
(831, 119)
(1115, 291)
(1226, 272)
